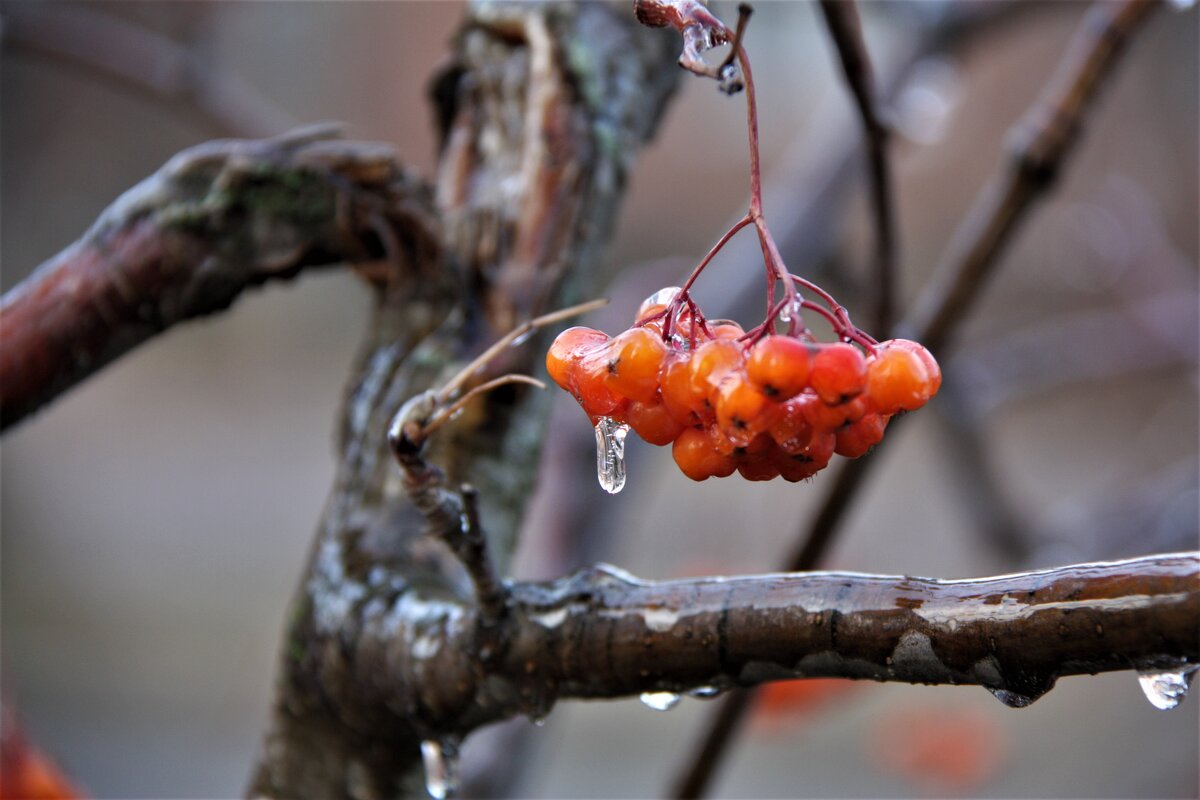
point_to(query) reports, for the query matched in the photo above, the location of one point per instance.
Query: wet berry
(635, 358)
(779, 366)
(838, 372)
(652, 422)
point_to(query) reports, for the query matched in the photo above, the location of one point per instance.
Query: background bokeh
(155, 521)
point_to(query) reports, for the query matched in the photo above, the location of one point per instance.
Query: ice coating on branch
(441, 768)
(610, 454)
(1166, 689)
(660, 701)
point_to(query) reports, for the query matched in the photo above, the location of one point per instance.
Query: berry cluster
(761, 403)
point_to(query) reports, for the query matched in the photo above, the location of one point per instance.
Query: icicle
(610, 454)
(660, 701)
(441, 767)
(1166, 689)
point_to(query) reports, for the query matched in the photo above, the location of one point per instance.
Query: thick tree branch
(841, 17)
(601, 633)
(215, 220)
(1041, 142)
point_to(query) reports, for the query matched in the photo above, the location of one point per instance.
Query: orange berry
(675, 388)
(635, 357)
(741, 409)
(566, 351)
(711, 363)
(589, 382)
(858, 437)
(726, 329)
(779, 366)
(838, 372)
(897, 380)
(826, 417)
(931, 365)
(652, 422)
(698, 459)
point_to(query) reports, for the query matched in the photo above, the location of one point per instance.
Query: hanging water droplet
(1012, 699)
(441, 768)
(660, 701)
(610, 454)
(1166, 689)
(790, 311)
(705, 692)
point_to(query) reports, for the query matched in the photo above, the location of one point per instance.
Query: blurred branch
(841, 17)
(146, 61)
(215, 220)
(1040, 143)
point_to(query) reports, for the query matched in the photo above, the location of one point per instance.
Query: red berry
(790, 426)
(779, 366)
(838, 372)
(857, 438)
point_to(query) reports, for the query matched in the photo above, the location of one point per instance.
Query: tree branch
(601, 633)
(841, 17)
(215, 220)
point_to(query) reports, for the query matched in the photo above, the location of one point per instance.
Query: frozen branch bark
(217, 219)
(602, 633)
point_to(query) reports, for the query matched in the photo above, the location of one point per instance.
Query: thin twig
(1042, 141)
(841, 17)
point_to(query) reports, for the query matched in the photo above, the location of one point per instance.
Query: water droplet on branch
(660, 701)
(1012, 699)
(610, 454)
(441, 768)
(705, 692)
(1166, 689)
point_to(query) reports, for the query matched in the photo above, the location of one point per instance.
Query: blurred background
(155, 521)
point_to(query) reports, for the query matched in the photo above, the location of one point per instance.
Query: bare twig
(215, 220)
(1041, 142)
(841, 17)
